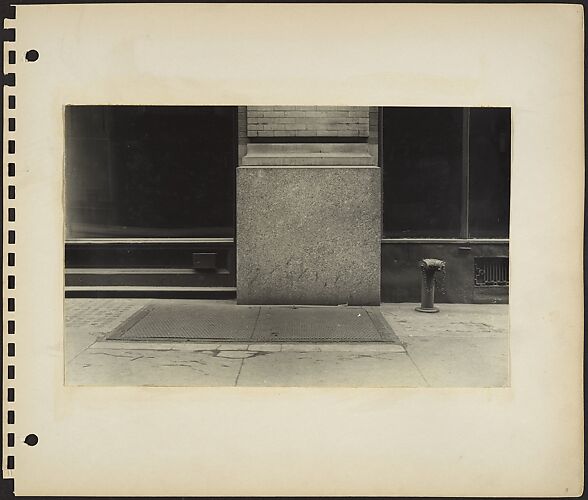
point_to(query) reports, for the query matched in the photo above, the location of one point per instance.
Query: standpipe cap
(433, 264)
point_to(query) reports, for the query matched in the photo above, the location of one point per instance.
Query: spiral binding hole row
(10, 80)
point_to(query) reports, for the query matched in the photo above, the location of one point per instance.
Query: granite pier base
(308, 235)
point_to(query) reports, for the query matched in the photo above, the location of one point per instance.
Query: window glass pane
(489, 172)
(150, 171)
(422, 172)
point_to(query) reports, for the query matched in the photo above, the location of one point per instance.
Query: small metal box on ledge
(204, 261)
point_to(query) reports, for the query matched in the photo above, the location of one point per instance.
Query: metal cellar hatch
(491, 271)
(184, 320)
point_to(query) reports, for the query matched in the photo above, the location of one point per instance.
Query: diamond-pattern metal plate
(287, 324)
(194, 320)
(190, 320)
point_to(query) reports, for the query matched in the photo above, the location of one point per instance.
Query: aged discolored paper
(524, 440)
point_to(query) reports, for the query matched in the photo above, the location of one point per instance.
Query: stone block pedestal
(308, 235)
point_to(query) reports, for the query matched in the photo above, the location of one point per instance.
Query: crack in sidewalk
(239, 372)
(418, 369)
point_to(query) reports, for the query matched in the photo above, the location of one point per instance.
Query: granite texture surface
(308, 235)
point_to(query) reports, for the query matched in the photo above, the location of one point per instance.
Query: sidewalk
(463, 345)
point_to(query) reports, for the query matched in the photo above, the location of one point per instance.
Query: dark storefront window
(489, 173)
(149, 171)
(446, 172)
(422, 172)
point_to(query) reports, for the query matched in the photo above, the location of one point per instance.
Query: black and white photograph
(284, 245)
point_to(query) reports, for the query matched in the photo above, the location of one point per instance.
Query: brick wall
(308, 121)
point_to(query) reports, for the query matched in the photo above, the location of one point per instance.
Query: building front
(321, 205)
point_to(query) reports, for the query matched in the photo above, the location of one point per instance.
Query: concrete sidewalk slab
(116, 367)
(265, 347)
(330, 369)
(458, 362)
(452, 320)
(155, 346)
(91, 319)
(355, 347)
(300, 347)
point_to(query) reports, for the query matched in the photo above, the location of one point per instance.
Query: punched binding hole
(31, 55)
(31, 439)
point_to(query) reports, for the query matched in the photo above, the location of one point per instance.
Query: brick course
(308, 121)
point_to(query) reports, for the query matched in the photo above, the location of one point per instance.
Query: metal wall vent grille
(491, 271)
